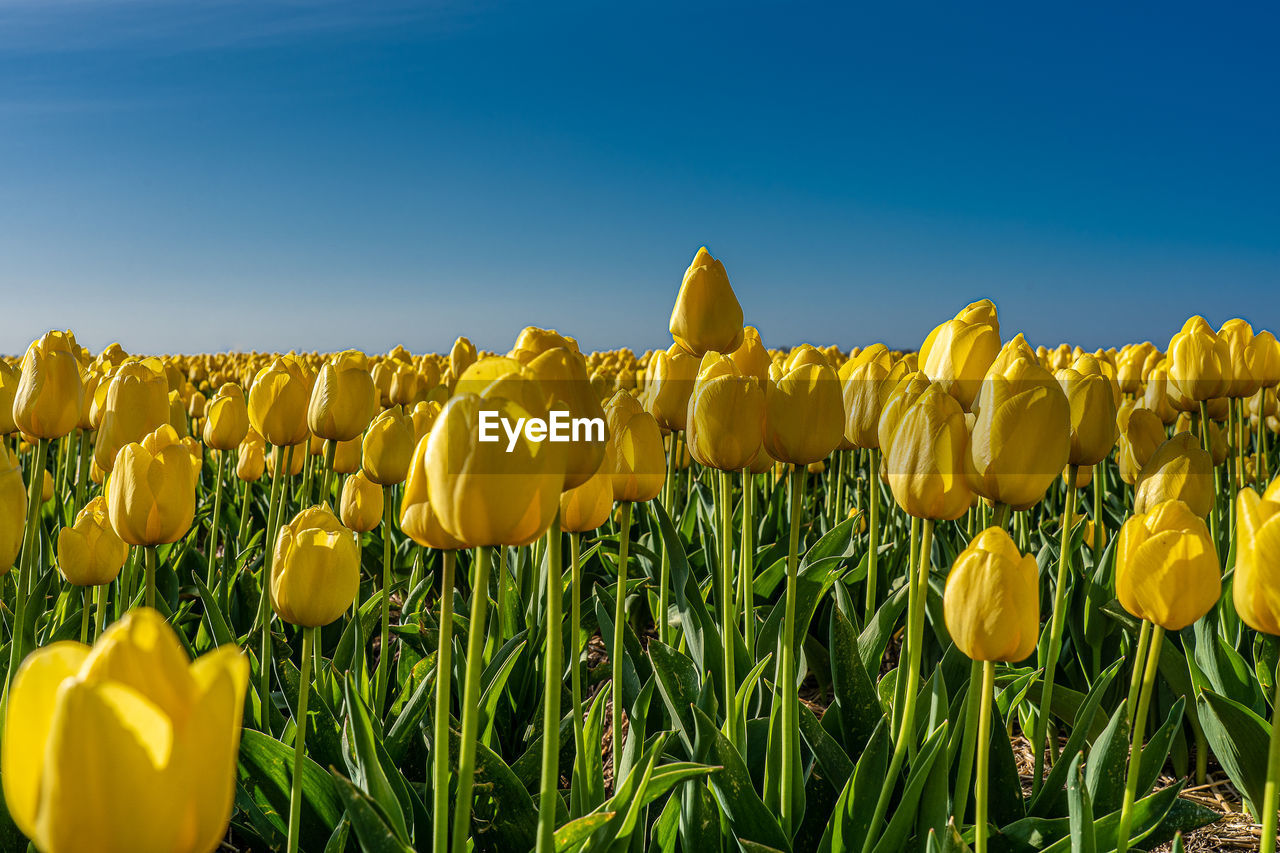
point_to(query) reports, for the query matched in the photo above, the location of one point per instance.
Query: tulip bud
(13, 508)
(958, 353)
(228, 418)
(361, 503)
(726, 415)
(707, 315)
(751, 357)
(1256, 583)
(804, 414)
(252, 461)
(992, 599)
(46, 487)
(125, 746)
(1141, 434)
(673, 375)
(865, 392)
(9, 378)
(90, 553)
(388, 448)
(634, 452)
(1022, 436)
(1093, 416)
(343, 400)
(418, 520)
(1199, 362)
(1167, 570)
(926, 459)
(315, 572)
(47, 401)
(586, 507)
(462, 356)
(278, 402)
(1178, 470)
(151, 493)
(346, 460)
(562, 373)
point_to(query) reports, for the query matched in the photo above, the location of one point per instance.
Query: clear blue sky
(198, 175)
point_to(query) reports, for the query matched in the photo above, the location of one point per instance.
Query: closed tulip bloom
(197, 405)
(751, 357)
(726, 415)
(876, 353)
(292, 461)
(227, 421)
(1266, 359)
(484, 494)
(461, 356)
(90, 552)
(13, 508)
(901, 395)
(992, 599)
(278, 402)
(361, 504)
(635, 453)
(177, 414)
(1217, 436)
(1242, 356)
(1022, 436)
(1093, 416)
(1256, 583)
(1129, 367)
(499, 376)
(533, 342)
(586, 507)
(1167, 571)
(315, 573)
(47, 401)
(151, 493)
(1179, 470)
(1141, 434)
(252, 461)
(9, 377)
(957, 353)
(926, 460)
(406, 384)
(418, 520)
(707, 316)
(865, 392)
(343, 400)
(1199, 362)
(804, 414)
(125, 746)
(46, 487)
(347, 459)
(562, 373)
(388, 448)
(1156, 396)
(673, 375)
(424, 417)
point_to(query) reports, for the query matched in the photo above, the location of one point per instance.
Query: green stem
(384, 648)
(149, 556)
(28, 565)
(213, 521)
(964, 771)
(616, 652)
(728, 615)
(1272, 789)
(984, 758)
(1135, 750)
(264, 605)
(746, 567)
(300, 741)
(1139, 664)
(915, 641)
(440, 741)
(326, 489)
(873, 531)
(551, 696)
(790, 710)
(1206, 442)
(82, 470)
(1057, 622)
(471, 700)
(84, 614)
(101, 595)
(575, 666)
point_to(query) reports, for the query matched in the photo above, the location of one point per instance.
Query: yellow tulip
(667, 395)
(562, 373)
(151, 493)
(901, 394)
(1217, 436)
(751, 357)
(346, 460)
(50, 393)
(227, 422)
(278, 402)
(586, 507)
(343, 400)
(926, 459)
(9, 377)
(634, 452)
(1167, 570)
(726, 415)
(1242, 358)
(1199, 362)
(1178, 470)
(1141, 434)
(707, 316)
(461, 356)
(291, 458)
(125, 746)
(418, 520)
(865, 392)
(1021, 437)
(361, 504)
(804, 414)
(388, 447)
(1256, 583)
(90, 552)
(252, 461)
(1156, 396)
(991, 603)
(315, 571)
(957, 353)
(484, 494)
(424, 417)
(1093, 415)
(533, 342)
(13, 508)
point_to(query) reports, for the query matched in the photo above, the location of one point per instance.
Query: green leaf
(1240, 740)
(368, 820)
(854, 693)
(1081, 809)
(266, 767)
(1108, 760)
(742, 807)
(904, 816)
(368, 773)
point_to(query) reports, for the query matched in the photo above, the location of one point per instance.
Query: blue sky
(267, 175)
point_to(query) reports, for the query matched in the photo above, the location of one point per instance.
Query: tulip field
(973, 596)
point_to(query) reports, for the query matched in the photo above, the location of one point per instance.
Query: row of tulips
(813, 594)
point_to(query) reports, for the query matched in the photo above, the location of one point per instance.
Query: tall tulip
(957, 353)
(47, 401)
(707, 316)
